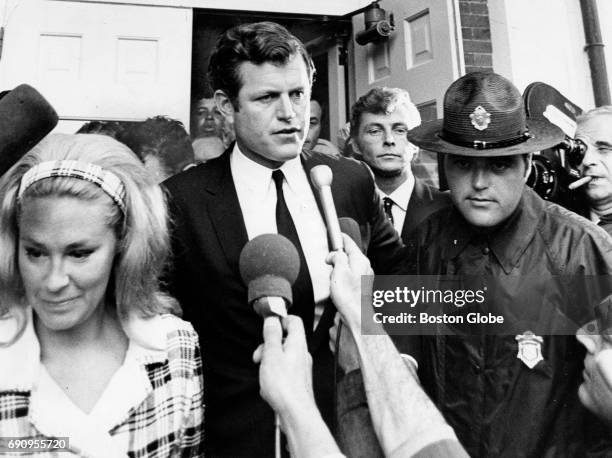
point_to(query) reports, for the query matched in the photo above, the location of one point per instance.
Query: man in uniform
(512, 390)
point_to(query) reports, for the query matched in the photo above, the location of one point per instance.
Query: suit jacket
(424, 200)
(208, 236)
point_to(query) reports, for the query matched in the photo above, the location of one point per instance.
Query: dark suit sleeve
(386, 250)
(173, 281)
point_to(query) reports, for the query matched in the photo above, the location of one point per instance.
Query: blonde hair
(142, 233)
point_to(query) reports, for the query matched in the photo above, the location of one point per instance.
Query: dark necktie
(303, 300)
(388, 205)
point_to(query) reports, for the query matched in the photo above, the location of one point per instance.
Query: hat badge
(481, 118)
(529, 349)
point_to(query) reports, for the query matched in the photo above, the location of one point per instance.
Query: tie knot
(278, 176)
(387, 206)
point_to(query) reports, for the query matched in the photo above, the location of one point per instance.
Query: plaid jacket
(160, 393)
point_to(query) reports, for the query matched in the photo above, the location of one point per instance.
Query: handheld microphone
(269, 265)
(321, 176)
(25, 118)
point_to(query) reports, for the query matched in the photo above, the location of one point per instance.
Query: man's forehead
(315, 109)
(251, 72)
(596, 125)
(394, 113)
(207, 103)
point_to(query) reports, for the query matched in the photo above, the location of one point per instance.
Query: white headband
(108, 181)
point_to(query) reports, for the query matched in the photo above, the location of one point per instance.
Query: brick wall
(476, 33)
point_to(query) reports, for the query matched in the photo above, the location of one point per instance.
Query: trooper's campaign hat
(484, 115)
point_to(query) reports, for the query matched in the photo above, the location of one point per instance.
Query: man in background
(162, 144)
(595, 130)
(213, 132)
(380, 121)
(313, 140)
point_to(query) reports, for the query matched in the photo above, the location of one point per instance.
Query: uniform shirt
(151, 407)
(496, 404)
(257, 197)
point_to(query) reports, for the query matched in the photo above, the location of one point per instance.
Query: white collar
(256, 177)
(22, 358)
(401, 195)
(128, 388)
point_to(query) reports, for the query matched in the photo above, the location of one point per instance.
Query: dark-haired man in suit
(262, 76)
(380, 120)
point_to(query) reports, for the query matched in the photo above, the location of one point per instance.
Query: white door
(96, 60)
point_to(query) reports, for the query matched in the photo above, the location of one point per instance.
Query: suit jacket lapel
(224, 209)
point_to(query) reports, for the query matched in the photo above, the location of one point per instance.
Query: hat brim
(544, 135)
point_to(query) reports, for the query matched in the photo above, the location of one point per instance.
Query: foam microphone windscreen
(25, 119)
(269, 265)
(350, 227)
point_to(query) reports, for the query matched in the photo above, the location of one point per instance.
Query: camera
(554, 169)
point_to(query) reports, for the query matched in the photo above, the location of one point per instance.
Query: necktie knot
(388, 205)
(278, 176)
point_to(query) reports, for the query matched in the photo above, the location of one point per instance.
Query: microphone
(269, 264)
(25, 118)
(321, 176)
(350, 227)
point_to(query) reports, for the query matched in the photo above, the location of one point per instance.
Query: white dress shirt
(257, 197)
(400, 197)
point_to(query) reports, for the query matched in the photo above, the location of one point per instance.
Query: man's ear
(224, 103)
(528, 162)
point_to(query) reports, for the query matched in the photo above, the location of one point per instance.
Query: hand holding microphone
(285, 374)
(269, 265)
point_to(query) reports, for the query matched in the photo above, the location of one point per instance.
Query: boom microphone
(321, 176)
(269, 265)
(25, 119)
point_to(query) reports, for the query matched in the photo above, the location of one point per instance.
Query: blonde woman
(96, 355)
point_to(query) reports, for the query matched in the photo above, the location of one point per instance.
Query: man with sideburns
(512, 392)
(262, 77)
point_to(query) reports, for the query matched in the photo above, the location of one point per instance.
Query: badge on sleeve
(529, 349)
